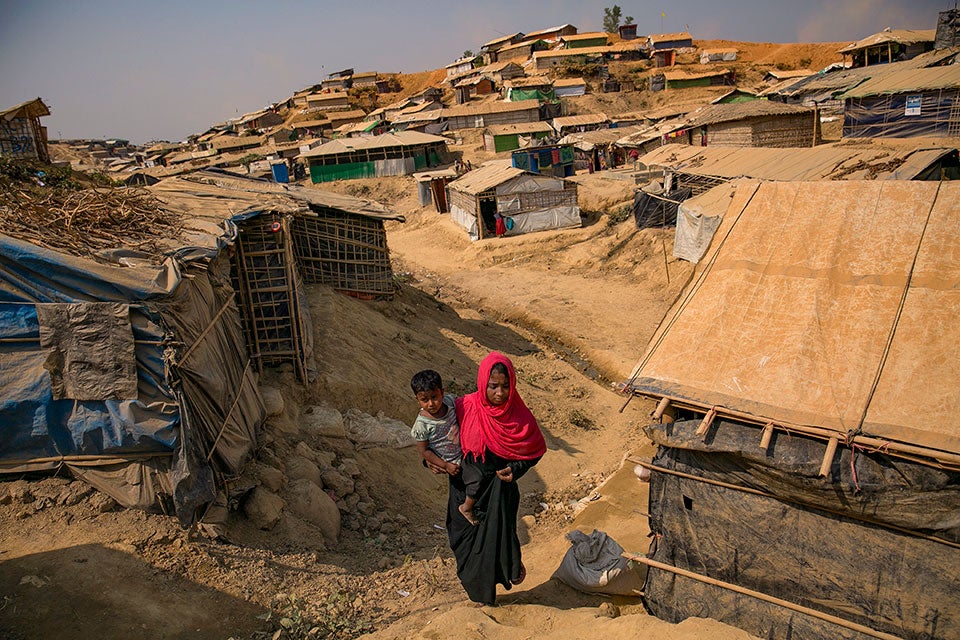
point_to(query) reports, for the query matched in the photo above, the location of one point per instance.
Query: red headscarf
(509, 430)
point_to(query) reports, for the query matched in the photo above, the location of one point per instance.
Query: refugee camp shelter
(432, 188)
(681, 40)
(755, 123)
(702, 168)
(682, 79)
(582, 122)
(528, 202)
(21, 134)
(890, 45)
(627, 31)
(590, 146)
(106, 369)
(530, 88)
(496, 44)
(552, 34)
(569, 87)
(580, 40)
(907, 103)
(722, 54)
(807, 475)
(491, 113)
(507, 137)
(521, 51)
(390, 154)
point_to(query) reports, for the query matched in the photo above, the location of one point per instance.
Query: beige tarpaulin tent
(831, 307)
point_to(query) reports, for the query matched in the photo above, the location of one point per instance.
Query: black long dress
(487, 554)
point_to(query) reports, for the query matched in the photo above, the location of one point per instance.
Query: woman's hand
(452, 468)
(505, 474)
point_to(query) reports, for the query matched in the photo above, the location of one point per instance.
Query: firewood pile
(84, 222)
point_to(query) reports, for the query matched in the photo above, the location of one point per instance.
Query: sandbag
(595, 564)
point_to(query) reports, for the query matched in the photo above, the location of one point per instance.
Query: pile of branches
(84, 222)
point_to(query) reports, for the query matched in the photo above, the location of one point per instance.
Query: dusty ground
(573, 308)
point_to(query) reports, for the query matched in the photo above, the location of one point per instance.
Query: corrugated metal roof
(490, 107)
(516, 47)
(498, 66)
(792, 73)
(347, 145)
(327, 97)
(581, 120)
(520, 127)
(905, 80)
(307, 124)
(338, 116)
(232, 142)
(486, 177)
(825, 162)
(903, 36)
(721, 50)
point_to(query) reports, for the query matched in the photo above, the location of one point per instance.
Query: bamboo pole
(922, 455)
(786, 604)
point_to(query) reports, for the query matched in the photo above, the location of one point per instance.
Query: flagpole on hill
(662, 16)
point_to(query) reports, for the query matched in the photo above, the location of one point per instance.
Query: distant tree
(611, 18)
(467, 54)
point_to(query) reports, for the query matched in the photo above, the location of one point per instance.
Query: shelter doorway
(488, 210)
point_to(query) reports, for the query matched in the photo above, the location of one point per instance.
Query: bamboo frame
(759, 595)
(345, 251)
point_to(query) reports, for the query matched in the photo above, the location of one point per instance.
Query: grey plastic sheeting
(828, 544)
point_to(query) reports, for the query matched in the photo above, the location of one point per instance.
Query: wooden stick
(786, 604)
(706, 422)
(661, 407)
(828, 456)
(767, 436)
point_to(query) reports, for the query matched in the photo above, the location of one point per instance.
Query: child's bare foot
(467, 514)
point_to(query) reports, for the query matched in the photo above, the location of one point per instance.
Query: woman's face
(498, 388)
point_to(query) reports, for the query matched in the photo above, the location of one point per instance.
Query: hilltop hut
(907, 103)
(390, 154)
(507, 137)
(890, 45)
(681, 40)
(807, 474)
(526, 201)
(21, 134)
(569, 87)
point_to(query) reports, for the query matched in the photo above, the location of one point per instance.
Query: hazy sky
(167, 68)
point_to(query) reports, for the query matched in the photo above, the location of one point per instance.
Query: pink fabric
(509, 430)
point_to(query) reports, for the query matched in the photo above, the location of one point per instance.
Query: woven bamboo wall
(345, 251)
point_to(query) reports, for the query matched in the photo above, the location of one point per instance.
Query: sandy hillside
(572, 308)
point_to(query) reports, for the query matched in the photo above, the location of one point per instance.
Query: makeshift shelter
(888, 46)
(806, 480)
(581, 40)
(432, 188)
(590, 146)
(907, 103)
(569, 87)
(580, 123)
(530, 88)
(526, 201)
(681, 40)
(702, 168)
(507, 137)
(21, 134)
(718, 55)
(682, 79)
(755, 123)
(390, 154)
(106, 369)
(491, 113)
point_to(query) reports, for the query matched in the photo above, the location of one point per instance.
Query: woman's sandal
(521, 577)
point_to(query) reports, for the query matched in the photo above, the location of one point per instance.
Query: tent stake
(873, 633)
